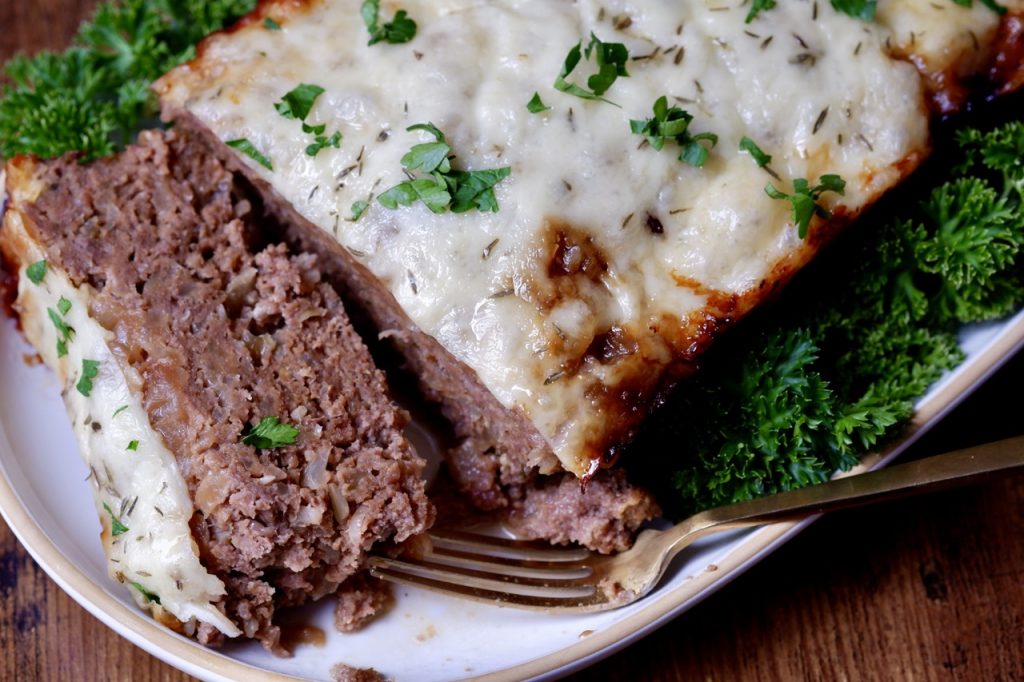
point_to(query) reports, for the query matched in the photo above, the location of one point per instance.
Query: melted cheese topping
(814, 88)
(142, 487)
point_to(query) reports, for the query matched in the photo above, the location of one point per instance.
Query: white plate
(46, 502)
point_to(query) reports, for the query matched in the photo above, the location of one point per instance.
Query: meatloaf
(244, 453)
(547, 325)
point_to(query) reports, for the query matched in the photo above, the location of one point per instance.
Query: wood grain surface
(926, 589)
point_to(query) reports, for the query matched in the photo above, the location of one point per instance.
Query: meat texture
(226, 330)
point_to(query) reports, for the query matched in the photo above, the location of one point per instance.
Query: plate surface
(46, 502)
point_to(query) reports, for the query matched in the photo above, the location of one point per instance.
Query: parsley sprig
(610, 59)
(445, 189)
(91, 97)
(672, 123)
(805, 199)
(837, 366)
(401, 29)
(270, 432)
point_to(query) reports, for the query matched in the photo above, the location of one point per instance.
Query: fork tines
(491, 569)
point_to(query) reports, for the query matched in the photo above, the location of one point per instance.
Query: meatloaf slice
(497, 460)
(214, 332)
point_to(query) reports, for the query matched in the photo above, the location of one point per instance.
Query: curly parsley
(92, 97)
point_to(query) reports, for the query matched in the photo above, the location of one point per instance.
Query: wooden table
(923, 589)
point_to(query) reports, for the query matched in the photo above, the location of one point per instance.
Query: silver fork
(537, 576)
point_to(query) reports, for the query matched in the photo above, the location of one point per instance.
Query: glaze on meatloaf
(161, 292)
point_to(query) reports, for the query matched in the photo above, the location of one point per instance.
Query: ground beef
(341, 672)
(496, 457)
(362, 599)
(225, 330)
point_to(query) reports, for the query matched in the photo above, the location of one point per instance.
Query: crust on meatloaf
(218, 328)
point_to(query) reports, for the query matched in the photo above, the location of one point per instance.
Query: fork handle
(920, 476)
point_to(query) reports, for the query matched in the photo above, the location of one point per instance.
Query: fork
(535, 575)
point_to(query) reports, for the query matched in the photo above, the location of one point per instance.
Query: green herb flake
(991, 4)
(146, 594)
(322, 142)
(358, 209)
(298, 102)
(858, 9)
(36, 272)
(760, 157)
(805, 199)
(133, 445)
(758, 6)
(243, 145)
(63, 305)
(536, 105)
(270, 433)
(672, 123)
(271, 25)
(90, 368)
(119, 410)
(65, 332)
(445, 189)
(610, 59)
(401, 29)
(116, 527)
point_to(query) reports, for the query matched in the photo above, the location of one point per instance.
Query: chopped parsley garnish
(147, 595)
(270, 433)
(243, 145)
(401, 29)
(133, 445)
(119, 410)
(271, 25)
(322, 142)
(298, 102)
(672, 123)
(358, 209)
(64, 332)
(445, 189)
(63, 305)
(116, 527)
(36, 272)
(858, 9)
(761, 158)
(610, 59)
(805, 199)
(90, 368)
(536, 105)
(758, 6)
(92, 97)
(991, 4)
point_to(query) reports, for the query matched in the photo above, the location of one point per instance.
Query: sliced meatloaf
(610, 255)
(244, 452)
